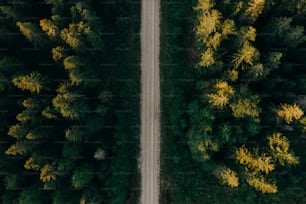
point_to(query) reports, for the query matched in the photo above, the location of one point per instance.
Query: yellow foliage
(261, 184)
(239, 6)
(247, 54)
(18, 148)
(223, 93)
(258, 69)
(224, 88)
(47, 173)
(29, 164)
(214, 41)
(203, 5)
(71, 62)
(12, 150)
(31, 32)
(228, 28)
(249, 33)
(75, 78)
(48, 114)
(257, 163)
(280, 146)
(205, 146)
(245, 108)
(209, 19)
(30, 82)
(255, 8)
(73, 34)
(233, 74)
(49, 27)
(207, 58)
(218, 101)
(83, 201)
(22, 117)
(290, 112)
(208, 23)
(31, 136)
(230, 178)
(57, 53)
(17, 131)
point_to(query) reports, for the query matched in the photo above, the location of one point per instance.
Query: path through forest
(150, 102)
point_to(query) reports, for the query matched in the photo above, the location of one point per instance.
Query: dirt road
(150, 102)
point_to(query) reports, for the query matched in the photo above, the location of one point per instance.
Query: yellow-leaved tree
(32, 82)
(253, 161)
(246, 108)
(289, 112)
(279, 146)
(260, 183)
(221, 97)
(229, 177)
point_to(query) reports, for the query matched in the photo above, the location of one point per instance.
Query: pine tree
(32, 33)
(25, 115)
(75, 134)
(19, 147)
(31, 103)
(58, 53)
(246, 34)
(206, 147)
(279, 146)
(17, 131)
(74, 35)
(95, 39)
(228, 28)
(247, 55)
(208, 23)
(221, 98)
(281, 29)
(47, 173)
(254, 162)
(230, 178)
(207, 58)
(70, 105)
(260, 183)
(9, 12)
(49, 113)
(32, 82)
(83, 11)
(31, 194)
(82, 176)
(32, 163)
(204, 5)
(49, 27)
(9, 65)
(12, 181)
(289, 112)
(218, 101)
(255, 8)
(245, 108)
(72, 62)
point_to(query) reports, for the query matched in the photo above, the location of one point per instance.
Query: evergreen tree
(82, 176)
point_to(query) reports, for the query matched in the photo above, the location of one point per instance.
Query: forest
(69, 82)
(233, 101)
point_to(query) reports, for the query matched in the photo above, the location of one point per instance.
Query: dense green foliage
(69, 101)
(233, 101)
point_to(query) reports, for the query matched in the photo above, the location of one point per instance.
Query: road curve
(150, 102)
